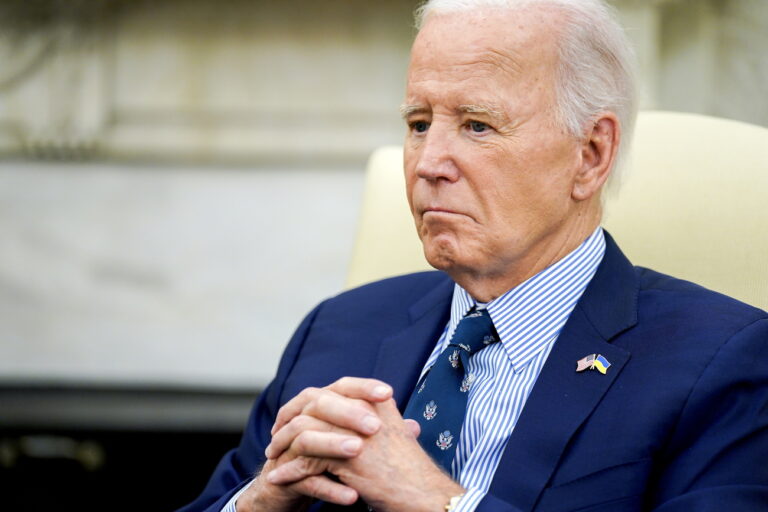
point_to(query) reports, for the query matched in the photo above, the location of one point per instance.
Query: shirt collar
(529, 317)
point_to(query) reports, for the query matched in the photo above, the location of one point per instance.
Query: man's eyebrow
(489, 110)
(407, 110)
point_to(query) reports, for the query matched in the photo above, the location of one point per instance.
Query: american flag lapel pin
(585, 363)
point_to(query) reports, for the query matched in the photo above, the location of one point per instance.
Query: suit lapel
(402, 356)
(562, 399)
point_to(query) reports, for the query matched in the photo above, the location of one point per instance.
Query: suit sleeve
(238, 466)
(717, 454)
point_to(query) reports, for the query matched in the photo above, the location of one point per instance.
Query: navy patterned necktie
(439, 403)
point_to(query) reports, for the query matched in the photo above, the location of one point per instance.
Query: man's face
(489, 172)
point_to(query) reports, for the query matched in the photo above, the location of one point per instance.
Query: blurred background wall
(180, 182)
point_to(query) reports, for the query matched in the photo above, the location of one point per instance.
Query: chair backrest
(694, 205)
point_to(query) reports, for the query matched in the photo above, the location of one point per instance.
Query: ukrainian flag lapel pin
(593, 362)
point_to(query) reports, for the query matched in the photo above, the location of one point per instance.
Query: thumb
(388, 413)
(414, 427)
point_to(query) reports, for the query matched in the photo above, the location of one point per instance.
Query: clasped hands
(343, 442)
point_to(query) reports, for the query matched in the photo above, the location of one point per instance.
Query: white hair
(596, 70)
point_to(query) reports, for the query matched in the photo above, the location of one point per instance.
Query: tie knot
(475, 331)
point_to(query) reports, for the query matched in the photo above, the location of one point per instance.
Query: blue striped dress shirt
(528, 319)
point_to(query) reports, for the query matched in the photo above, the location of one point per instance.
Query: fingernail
(352, 445)
(272, 476)
(381, 392)
(349, 496)
(268, 451)
(371, 424)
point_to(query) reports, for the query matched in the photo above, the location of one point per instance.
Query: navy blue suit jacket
(679, 422)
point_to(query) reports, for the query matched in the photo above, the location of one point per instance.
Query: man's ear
(598, 153)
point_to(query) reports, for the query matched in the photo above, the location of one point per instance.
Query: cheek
(514, 202)
(411, 156)
(408, 190)
(535, 175)
(410, 181)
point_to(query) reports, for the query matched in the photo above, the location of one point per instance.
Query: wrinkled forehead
(521, 41)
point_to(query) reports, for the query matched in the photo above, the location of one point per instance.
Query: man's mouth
(440, 210)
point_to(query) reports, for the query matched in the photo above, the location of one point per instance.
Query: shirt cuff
(231, 505)
(470, 501)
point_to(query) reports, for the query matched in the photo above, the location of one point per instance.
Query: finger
(413, 427)
(283, 438)
(388, 411)
(348, 413)
(312, 443)
(370, 390)
(327, 445)
(325, 489)
(332, 407)
(294, 407)
(297, 469)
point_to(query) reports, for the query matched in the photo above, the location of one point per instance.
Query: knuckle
(314, 487)
(299, 423)
(302, 441)
(344, 382)
(324, 401)
(307, 393)
(303, 466)
(311, 408)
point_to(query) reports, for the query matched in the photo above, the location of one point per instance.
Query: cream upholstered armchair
(694, 204)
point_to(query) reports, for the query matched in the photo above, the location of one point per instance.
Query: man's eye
(478, 127)
(419, 126)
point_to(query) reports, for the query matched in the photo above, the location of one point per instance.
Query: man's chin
(441, 254)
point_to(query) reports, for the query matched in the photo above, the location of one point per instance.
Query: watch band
(453, 503)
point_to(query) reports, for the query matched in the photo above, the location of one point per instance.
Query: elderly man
(539, 370)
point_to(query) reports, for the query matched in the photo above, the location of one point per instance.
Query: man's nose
(436, 156)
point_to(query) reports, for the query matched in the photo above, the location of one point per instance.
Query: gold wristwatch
(453, 503)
